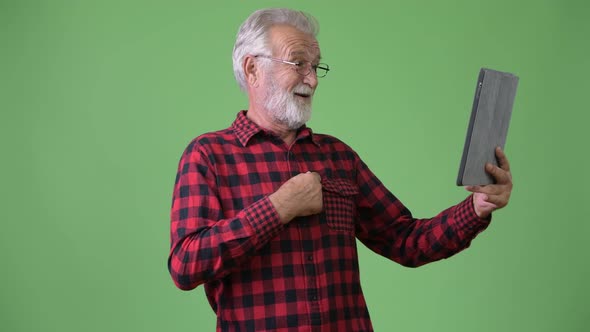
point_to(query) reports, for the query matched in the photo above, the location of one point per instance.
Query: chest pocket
(339, 204)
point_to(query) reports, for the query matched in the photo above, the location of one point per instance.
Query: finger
(497, 200)
(487, 204)
(500, 175)
(488, 189)
(475, 189)
(316, 175)
(480, 195)
(502, 159)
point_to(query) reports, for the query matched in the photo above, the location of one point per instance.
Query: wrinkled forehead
(288, 42)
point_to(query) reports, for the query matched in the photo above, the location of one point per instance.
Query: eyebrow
(300, 53)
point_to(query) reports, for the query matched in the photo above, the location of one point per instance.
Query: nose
(311, 79)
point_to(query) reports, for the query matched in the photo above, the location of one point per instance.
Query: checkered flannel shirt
(262, 275)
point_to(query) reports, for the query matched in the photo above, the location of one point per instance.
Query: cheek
(289, 80)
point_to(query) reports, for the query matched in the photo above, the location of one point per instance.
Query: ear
(251, 70)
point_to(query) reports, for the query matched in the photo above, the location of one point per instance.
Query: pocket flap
(340, 186)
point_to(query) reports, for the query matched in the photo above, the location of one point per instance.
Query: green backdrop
(99, 99)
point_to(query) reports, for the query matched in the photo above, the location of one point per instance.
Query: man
(266, 213)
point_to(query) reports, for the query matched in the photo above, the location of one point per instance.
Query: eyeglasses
(302, 67)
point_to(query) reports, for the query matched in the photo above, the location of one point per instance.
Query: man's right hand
(300, 196)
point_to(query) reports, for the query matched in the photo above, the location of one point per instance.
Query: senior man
(266, 213)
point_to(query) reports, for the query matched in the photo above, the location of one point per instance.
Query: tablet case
(488, 125)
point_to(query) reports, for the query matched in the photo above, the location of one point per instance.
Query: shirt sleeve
(387, 227)
(204, 245)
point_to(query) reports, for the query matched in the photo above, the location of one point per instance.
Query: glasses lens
(322, 70)
(303, 68)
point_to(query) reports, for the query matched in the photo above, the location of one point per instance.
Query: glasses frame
(298, 65)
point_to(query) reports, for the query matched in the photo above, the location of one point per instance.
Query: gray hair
(253, 34)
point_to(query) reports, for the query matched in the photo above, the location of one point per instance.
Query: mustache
(303, 90)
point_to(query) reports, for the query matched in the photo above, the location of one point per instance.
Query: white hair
(252, 36)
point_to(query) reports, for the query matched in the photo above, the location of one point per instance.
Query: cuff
(467, 219)
(264, 219)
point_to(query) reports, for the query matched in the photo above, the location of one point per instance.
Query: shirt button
(310, 258)
(314, 298)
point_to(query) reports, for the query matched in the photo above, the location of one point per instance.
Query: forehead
(287, 41)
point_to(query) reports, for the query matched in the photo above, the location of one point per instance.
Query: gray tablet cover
(488, 125)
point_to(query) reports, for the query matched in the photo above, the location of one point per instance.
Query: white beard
(287, 109)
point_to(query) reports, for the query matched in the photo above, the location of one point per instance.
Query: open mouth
(303, 95)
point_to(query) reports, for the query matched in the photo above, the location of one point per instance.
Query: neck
(263, 120)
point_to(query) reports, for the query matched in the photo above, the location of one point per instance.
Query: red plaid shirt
(261, 275)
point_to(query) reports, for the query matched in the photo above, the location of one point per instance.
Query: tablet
(488, 125)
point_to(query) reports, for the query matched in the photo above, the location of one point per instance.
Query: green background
(99, 98)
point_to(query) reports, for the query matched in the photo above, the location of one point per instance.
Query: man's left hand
(491, 197)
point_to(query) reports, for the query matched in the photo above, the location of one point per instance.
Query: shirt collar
(245, 129)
